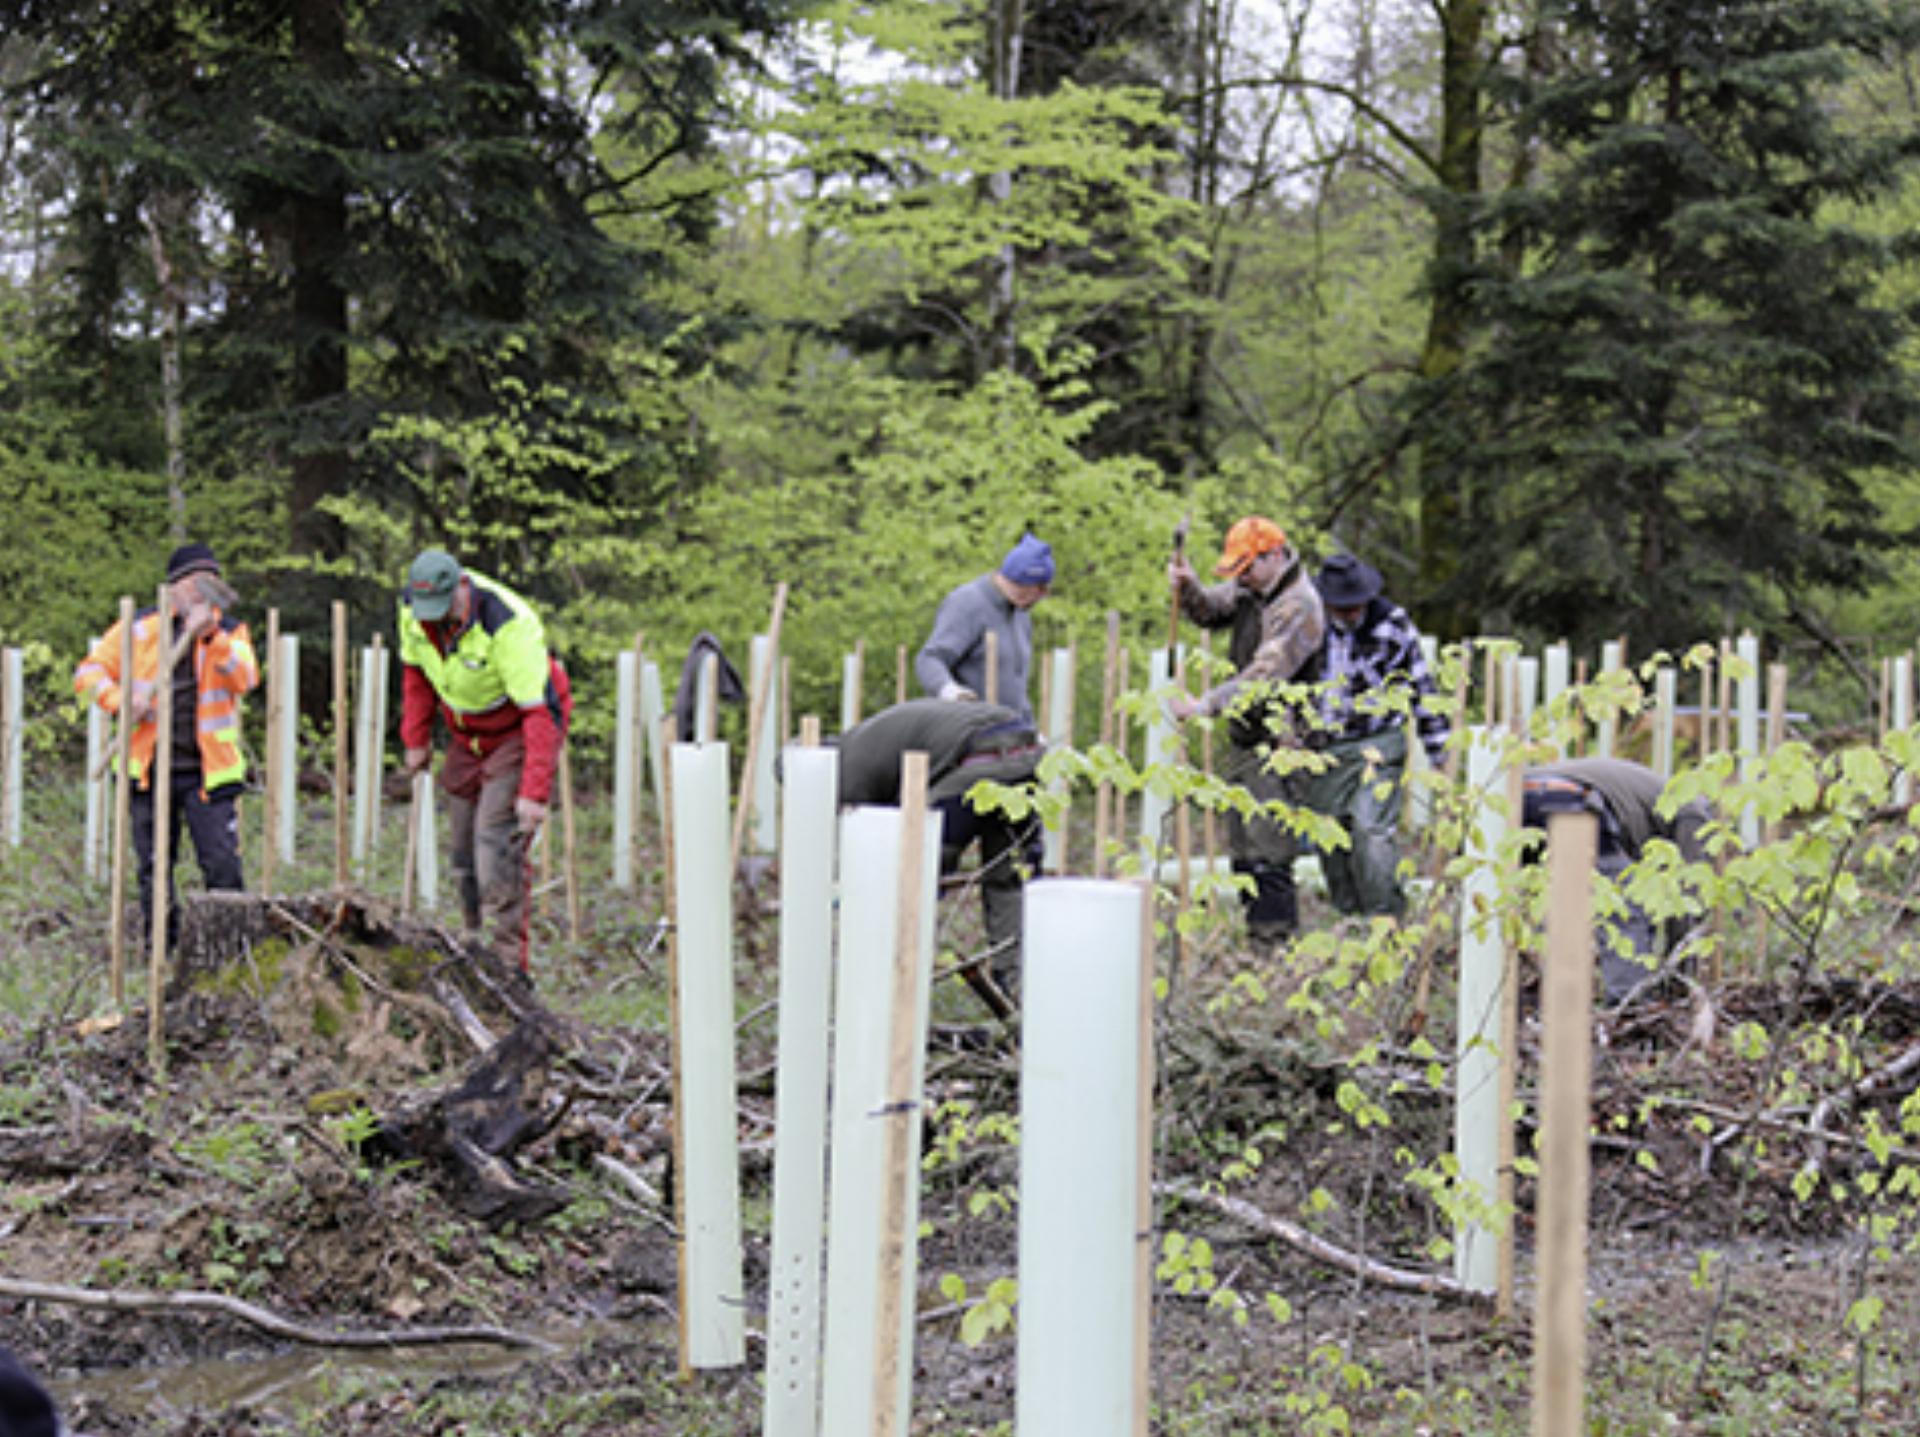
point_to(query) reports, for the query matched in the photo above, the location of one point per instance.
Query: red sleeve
(542, 738)
(543, 735)
(417, 704)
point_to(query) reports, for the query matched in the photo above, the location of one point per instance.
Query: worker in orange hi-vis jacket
(212, 665)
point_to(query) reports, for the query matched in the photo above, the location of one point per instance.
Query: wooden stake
(900, 674)
(1066, 737)
(1560, 1299)
(342, 743)
(407, 876)
(122, 801)
(810, 731)
(1182, 829)
(756, 718)
(1703, 745)
(858, 685)
(1209, 820)
(161, 775)
(992, 695)
(901, 1111)
(1120, 726)
(570, 835)
(270, 804)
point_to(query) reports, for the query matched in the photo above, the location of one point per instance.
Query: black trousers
(1010, 849)
(213, 821)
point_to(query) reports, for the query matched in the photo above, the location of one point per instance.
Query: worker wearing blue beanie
(952, 664)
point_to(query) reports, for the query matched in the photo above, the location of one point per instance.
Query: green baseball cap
(431, 580)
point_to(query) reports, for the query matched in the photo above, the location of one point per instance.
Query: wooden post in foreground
(342, 732)
(1560, 1296)
(122, 797)
(904, 1039)
(992, 682)
(162, 880)
(763, 683)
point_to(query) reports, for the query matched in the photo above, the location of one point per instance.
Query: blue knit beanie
(1028, 562)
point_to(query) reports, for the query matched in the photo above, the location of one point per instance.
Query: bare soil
(242, 1169)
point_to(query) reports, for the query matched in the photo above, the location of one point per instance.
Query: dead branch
(115, 1300)
(1319, 1249)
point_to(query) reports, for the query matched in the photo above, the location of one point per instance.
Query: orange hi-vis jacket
(223, 667)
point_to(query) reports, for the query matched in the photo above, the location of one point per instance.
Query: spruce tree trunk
(317, 225)
(1445, 510)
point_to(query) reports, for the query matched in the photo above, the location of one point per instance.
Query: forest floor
(1728, 1295)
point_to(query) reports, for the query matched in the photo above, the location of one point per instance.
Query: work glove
(958, 692)
(417, 759)
(529, 814)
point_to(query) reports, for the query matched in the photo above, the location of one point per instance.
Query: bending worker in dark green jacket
(965, 742)
(476, 651)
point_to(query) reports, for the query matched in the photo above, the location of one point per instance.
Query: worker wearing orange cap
(1278, 622)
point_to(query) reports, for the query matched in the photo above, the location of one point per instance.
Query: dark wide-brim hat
(1345, 582)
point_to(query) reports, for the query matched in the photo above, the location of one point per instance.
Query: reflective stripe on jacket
(223, 668)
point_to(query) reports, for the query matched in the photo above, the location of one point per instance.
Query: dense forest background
(1580, 320)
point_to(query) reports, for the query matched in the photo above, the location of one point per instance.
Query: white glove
(954, 691)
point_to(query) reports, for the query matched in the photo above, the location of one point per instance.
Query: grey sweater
(956, 651)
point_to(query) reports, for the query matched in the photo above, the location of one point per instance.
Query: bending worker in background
(1278, 623)
(1371, 672)
(965, 742)
(952, 664)
(475, 649)
(1625, 798)
(213, 666)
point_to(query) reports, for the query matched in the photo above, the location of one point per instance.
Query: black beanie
(25, 1408)
(191, 559)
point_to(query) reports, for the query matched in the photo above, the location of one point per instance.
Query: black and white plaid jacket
(1363, 666)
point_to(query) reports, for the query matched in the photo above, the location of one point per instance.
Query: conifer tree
(1682, 371)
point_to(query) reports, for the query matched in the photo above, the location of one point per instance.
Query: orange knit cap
(1247, 541)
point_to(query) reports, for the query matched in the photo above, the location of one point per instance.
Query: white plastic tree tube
(366, 762)
(13, 698)
(852, 682)
(287, 752)
(99, 793)
(870, 840)
(1611, 658)
(1554, 670)
(626, 735)
(711, 1304)
(652, 710)
(1081, 1223)
(810, 782)
(426, 856)
(1477, 1114)
(1526, 685)
(1665, 684)
(1161, 742)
